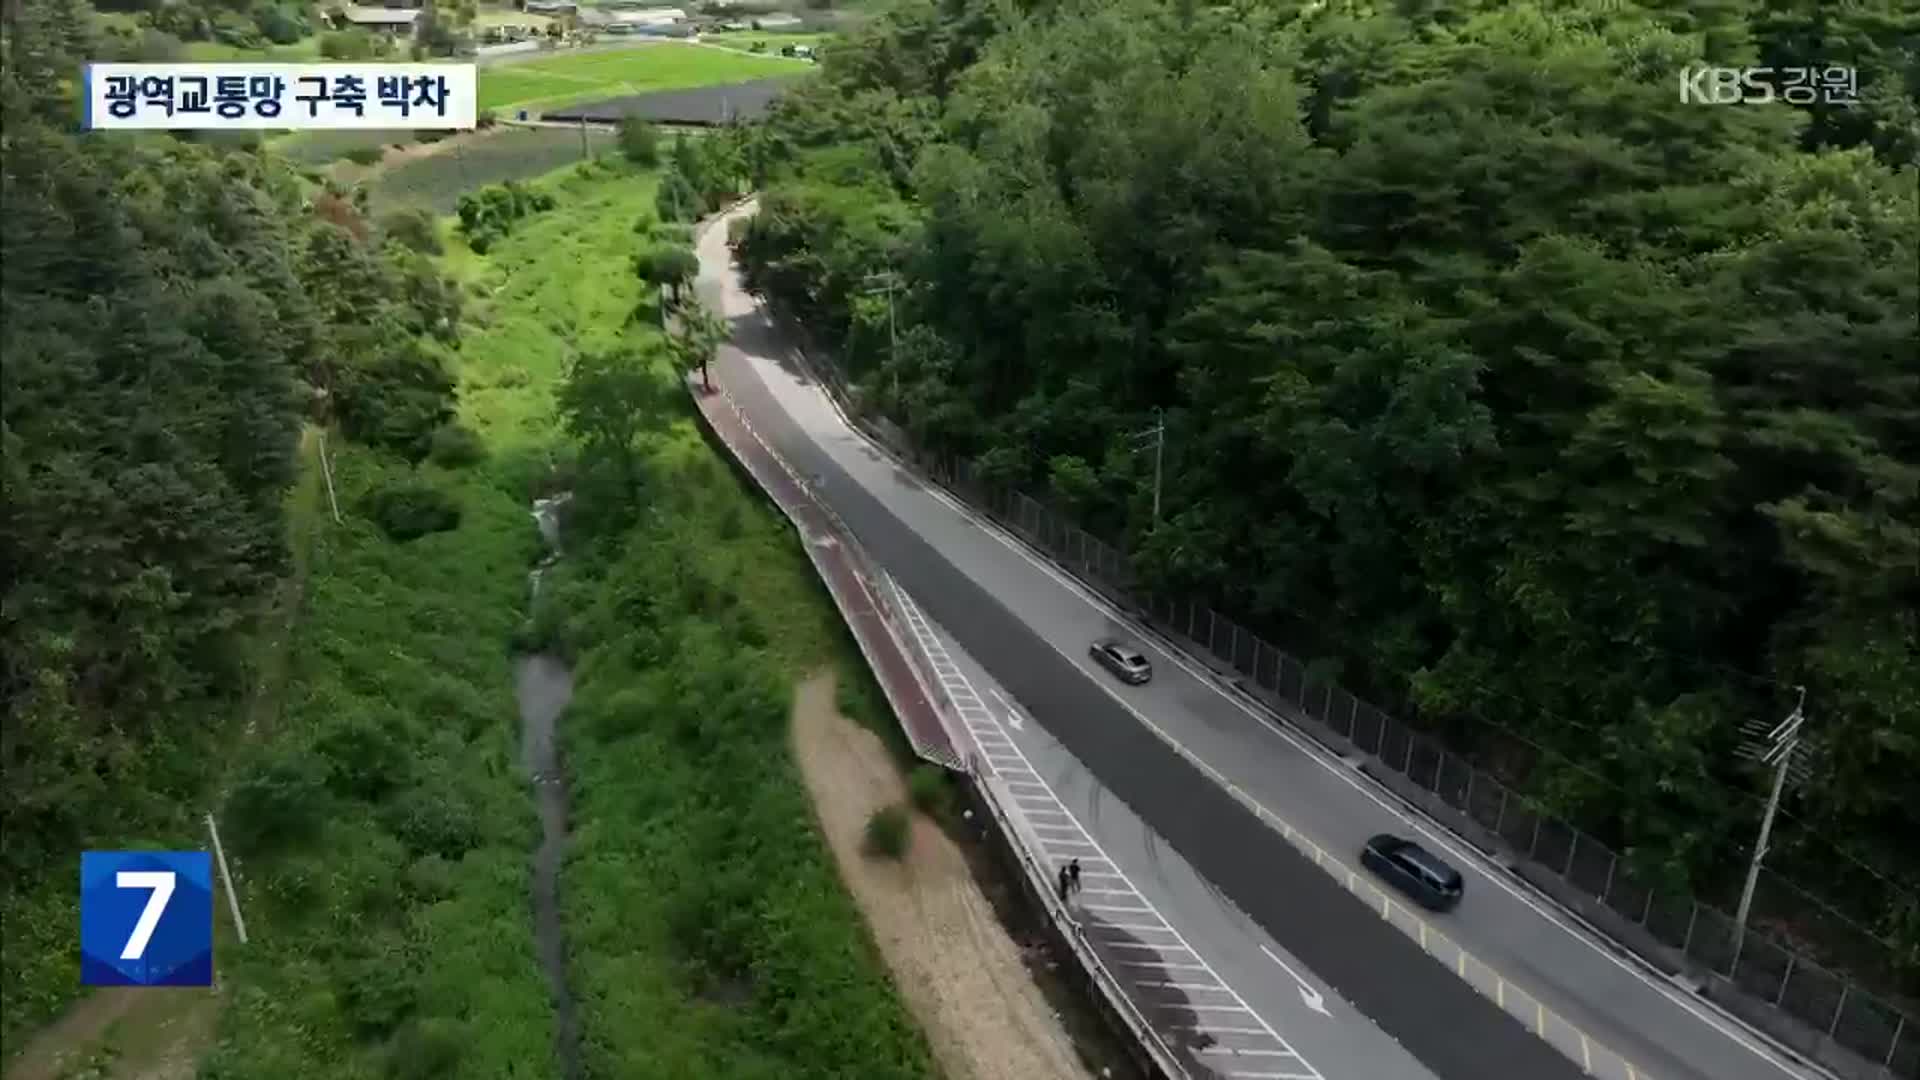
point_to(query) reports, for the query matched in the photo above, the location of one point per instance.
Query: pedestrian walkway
(1173, 985)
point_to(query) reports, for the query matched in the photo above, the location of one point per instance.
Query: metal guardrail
(1023, 846)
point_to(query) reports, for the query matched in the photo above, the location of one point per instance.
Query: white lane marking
(931, 645)
(1162, 965)
(1142, 907)
(1319, 755)
(1206, 987)
(1149, 948)
(1132, 928)
(1307, 993)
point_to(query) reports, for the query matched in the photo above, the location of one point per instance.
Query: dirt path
(959, 971)
(123, 1033)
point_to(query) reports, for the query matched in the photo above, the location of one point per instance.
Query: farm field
(663, 66)
(435, 181)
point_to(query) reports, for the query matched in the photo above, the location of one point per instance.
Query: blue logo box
(146, 918)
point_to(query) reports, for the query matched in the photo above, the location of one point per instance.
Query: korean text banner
(214, 96)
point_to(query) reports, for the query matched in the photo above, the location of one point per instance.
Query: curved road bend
(1028, 626)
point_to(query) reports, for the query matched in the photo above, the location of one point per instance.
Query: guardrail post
(1893, 1047)
(1500, 818)
(1686, 943)
(1839, 1007)
(1792, 958)
(1606, 890)
(1572, 850)
(1534, 844)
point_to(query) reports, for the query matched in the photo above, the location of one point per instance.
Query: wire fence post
(1686, 943)
(233, 899)
(1613, 863)
(1792, 958)
(1893, 1045)
(1839, 1007)
(326, 470)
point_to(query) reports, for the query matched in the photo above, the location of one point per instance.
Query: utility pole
(1158, 434)
(1777, 748)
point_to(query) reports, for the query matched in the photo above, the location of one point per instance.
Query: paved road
(1227, 998)
(1029, 626)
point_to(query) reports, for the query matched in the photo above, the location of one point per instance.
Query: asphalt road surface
(1028, 627)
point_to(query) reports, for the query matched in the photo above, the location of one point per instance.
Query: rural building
(666, 22)
(399, 22)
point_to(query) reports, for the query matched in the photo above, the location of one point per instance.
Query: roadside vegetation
(1519, 420)
(708, 932)
(189, 630)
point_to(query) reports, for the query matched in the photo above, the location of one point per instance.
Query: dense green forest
(171, 314)
(1583, 422)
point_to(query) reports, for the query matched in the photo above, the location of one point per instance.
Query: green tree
(640, 141)
(698, 333)
(603, 402)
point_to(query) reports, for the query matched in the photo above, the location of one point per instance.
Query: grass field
(663, 66)
(436, 181)
(708, 932)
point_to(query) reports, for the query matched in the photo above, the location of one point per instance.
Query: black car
(1122, 660)
(1413, 870)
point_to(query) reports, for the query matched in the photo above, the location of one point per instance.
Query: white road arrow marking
(1307, 993)
(1013, 714)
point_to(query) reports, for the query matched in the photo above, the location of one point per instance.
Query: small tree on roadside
(700, 333)
(673, 268)
(640, 141)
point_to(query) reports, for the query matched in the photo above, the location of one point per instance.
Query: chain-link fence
(1761, 966)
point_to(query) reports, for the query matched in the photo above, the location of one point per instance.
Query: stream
(544, 685)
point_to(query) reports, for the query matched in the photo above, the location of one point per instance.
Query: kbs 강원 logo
(146, 918)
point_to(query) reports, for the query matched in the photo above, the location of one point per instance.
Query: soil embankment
(955, 965)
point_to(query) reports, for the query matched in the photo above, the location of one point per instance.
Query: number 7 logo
(146, 918)
(161, 882)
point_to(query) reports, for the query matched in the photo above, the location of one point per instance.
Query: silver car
(1123, 660)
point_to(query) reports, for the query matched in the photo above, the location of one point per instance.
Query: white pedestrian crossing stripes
(1170, 982)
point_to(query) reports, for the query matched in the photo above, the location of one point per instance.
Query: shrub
(927, 786)
(456, 447)
(413, 229)
(378, 993)
(279, 801)
(432, 819)
(365, 155)
(280, 26)
(353, 44)
(640, 141)
(396, 401)
(888, 832)
(408, 511)
(425, 1050)
(364, 760)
